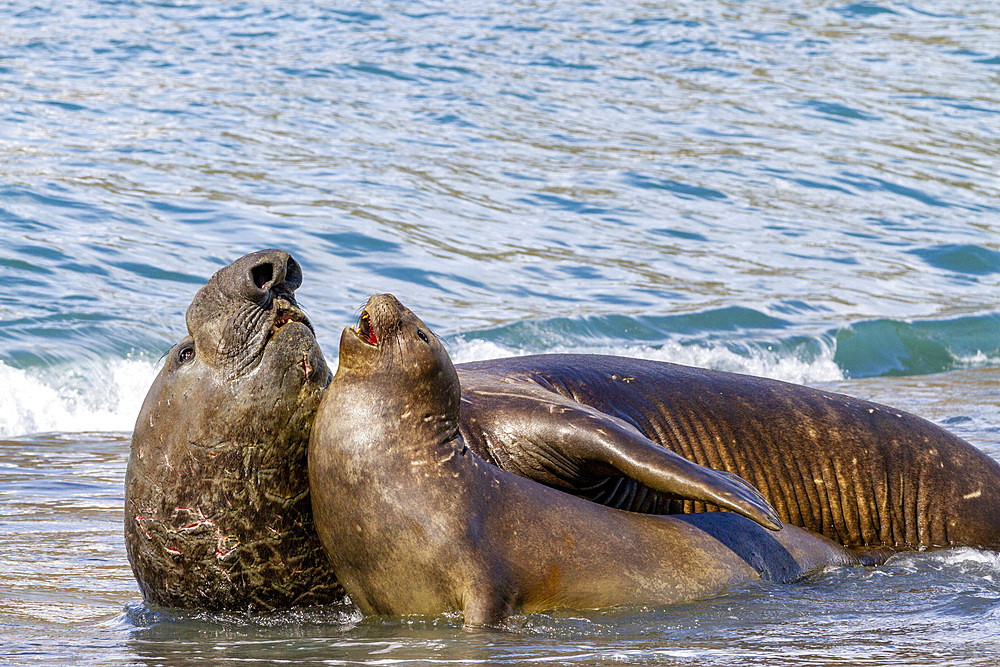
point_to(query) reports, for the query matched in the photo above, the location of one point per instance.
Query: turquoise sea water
(808, 190)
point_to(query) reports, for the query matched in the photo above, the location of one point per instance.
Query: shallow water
(67, 594)
(807, 190)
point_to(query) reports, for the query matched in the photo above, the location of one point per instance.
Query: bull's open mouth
(364, 329)
(286, 313)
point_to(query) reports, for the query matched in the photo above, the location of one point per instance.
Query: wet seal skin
(415, 522)
(217, 507)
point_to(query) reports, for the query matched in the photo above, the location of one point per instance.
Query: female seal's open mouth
(364, 329)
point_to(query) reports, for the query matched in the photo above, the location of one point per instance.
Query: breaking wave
(89, 397)
(106, 395)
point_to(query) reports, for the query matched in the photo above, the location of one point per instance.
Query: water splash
(106, 396)
(88, 397)
(766, 361)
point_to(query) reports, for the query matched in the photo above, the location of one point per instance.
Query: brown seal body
(416, 523)
(217, 508)
(863, 474)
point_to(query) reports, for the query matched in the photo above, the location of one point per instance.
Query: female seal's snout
(379, 318)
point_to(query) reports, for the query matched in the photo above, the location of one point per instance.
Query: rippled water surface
(808, 190)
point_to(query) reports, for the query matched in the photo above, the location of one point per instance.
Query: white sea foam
(977, 360)
(107, 396)
(984, 565)
(88, 397)
(970, 556)
(763, 362)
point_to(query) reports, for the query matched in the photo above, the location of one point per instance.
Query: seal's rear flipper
(571, 446)
(872, 556)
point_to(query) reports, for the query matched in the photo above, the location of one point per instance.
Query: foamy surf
(977, 360)
(89, 397)
(765, 362)
(100, 397)
(964, 561)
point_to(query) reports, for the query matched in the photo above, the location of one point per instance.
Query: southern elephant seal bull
(416, 523)
(217, 508)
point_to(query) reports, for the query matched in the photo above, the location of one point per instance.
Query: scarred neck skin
(225, 523)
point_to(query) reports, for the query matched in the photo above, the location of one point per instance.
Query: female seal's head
(390, 345)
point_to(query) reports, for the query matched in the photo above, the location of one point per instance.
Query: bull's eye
(422, 336)
(186, 354)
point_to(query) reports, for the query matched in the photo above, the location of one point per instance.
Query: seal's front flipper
(568, 445)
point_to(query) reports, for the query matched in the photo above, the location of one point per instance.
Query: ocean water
(808, 190)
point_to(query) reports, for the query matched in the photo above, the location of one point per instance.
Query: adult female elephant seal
(217, 509)
(416, 523)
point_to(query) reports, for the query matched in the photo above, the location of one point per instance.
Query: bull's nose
(272, 271)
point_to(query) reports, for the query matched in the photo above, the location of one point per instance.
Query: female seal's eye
(423, 336)
(186, 354)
